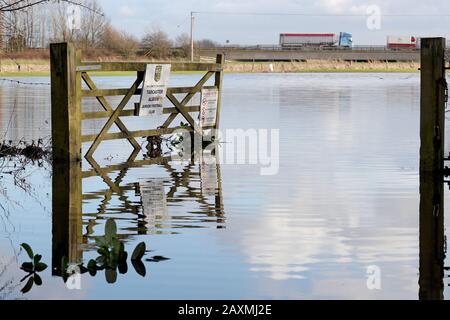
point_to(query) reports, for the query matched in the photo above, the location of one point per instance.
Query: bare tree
(59, 26)
(157, 43)
(20, 28)
(206, 44)
(183, 43)
(119, 41)
(94, 24)
(30, 23)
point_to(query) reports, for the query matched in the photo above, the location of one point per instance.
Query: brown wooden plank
(142, 65)
(130, 113)
(194, 89)
(124, 91)
(107, 92)
(105, 114)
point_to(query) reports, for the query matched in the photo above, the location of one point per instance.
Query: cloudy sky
(420, 18)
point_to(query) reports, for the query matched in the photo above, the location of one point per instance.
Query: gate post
(66, 144)
(220, 59)
(432, 105)
(66, 103)
(432, 134)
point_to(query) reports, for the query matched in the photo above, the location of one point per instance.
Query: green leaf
(123, 255)
(39, 267)
(101, 242)
(92, 272)
(28, 286)
(110, 229)
(103, 251)
(157, 259)
(111, 276)
(92, 265)
(37, 280)
(138, 252)
(113, 261)
(123, 267)
(28, 267)
(28, 249)
(116, 246)
(100, 268)
(83, 269)
(139, 267)
(101, 260)
(37, 258)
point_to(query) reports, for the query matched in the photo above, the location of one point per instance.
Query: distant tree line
(35, 24)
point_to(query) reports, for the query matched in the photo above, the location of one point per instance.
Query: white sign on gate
(154, 89)
(208, 107)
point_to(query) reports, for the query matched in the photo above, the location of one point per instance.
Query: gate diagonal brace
(114, 116)
(107, 107)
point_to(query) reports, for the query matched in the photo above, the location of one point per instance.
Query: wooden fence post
(432, 135)
(66, 144)
(218, 84)
(432, 105)
(66, 103)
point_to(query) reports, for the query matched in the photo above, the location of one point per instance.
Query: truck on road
(316, 40)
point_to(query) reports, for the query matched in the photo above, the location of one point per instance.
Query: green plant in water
(32, 268)
(112, 256)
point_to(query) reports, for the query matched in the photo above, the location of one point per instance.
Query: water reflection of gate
(70, 238)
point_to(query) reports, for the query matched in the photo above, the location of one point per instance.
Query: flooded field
(344, 201)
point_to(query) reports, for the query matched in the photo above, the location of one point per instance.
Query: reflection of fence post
(66, 102)
(67, 211)
(432, 105)
(431, 237)
(432, 134)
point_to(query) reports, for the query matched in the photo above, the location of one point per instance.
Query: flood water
(345, 199)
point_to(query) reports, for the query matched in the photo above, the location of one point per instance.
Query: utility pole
(192, 36)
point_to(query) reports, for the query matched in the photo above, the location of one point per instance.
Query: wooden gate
(68, 71)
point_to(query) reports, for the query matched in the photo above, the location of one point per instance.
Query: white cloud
(335, 6)
(126, 11)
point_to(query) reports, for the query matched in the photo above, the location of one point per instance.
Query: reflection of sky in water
(346, 196)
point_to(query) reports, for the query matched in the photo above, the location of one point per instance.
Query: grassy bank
(28, 68)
